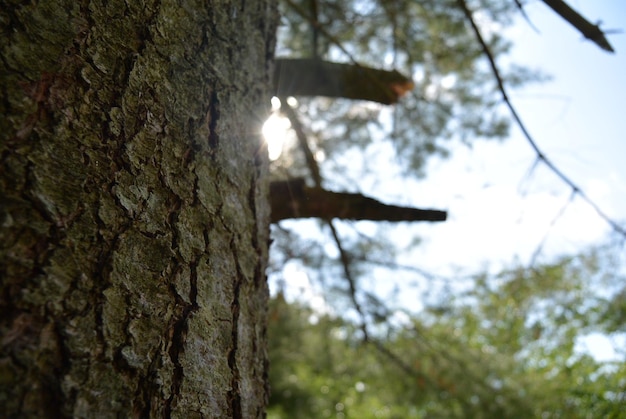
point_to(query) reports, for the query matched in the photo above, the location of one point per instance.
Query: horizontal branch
(314, 77)
(293, 199)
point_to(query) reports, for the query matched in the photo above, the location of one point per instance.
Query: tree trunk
(133, 205)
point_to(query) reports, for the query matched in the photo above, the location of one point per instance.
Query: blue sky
(498, 211)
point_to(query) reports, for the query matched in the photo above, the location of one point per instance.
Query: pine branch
(293, 199)
(313, 77)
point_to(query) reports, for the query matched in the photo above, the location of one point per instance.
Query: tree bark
(133, 208)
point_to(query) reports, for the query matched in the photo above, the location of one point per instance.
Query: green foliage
(506, 348)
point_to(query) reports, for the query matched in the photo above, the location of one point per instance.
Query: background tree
(504, 348)
(454, 97)
(133, 192)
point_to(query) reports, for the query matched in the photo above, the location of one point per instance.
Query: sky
(497, 210)
(500, 209)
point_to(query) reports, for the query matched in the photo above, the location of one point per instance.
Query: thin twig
(311, 163)
(559, 214)
(520, 6)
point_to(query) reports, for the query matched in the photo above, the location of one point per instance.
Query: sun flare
(275, 131)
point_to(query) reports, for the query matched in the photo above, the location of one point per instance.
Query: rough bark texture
(134, 219)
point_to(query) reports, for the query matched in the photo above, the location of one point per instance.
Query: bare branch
(313, 77)
(293, 199)
(589, 30)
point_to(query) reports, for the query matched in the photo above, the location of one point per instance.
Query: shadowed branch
(313, 77)
(293, 199)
